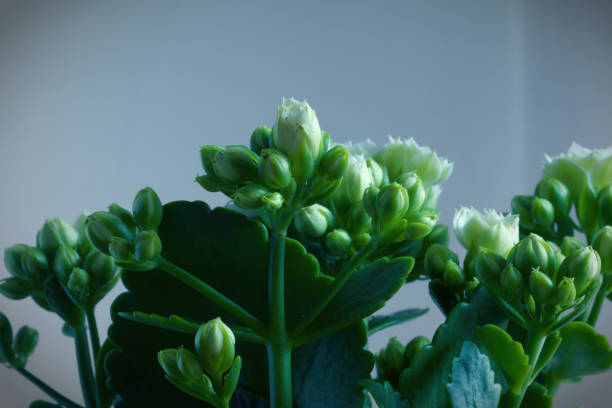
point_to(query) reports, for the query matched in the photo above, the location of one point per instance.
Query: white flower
(355, 181)
(489, 229)
(296, 124)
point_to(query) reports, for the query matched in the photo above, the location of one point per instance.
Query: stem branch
(59, 398)
(86, 375)
(93, 332)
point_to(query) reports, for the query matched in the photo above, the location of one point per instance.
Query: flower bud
(313, 220)
(377, 172)
(237, 164)
(488, 266)
(250, 196)
(571, 244)
(102, 227)
(416, 191)
(35, 264)
(584, 266)
(604, 204)
(540, 286)
(420, 227)
(208, 154)
(390, 360)
(15, 288)
(211, 183)
(13, 260)
(121, 249)
(334, 163)
(602, 243)
(26, 341)
(215, 347)
(556, 193)
(358, 220)
(188, 365)
(369, 200)
(261, 138)
(147, 209)
(511, 281)
(391, 204)
(6, 340)
(66, 259)
(532, 252)
(521, 205)
(337, 241)
(488, 229)
(78, 282)
(273, 201)
(413, 348)
(436, 258)
(147, 246)
(361, 240)
(587, 208)
(542, 212)
(56, 233)
(124, 215)
(452, 275)
(274, 169)
(100, 268)
(355, 181)
(565, 292)
(168, 360)
(529, 304)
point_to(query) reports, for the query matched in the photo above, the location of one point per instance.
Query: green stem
(213, 295)
(535, 342)
(93, 332)
(59, 398)
(335, 287)
(86, 375)
(599, 301)
(221, 401)
(278, 348)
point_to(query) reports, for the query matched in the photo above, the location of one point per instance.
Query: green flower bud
(511, 281)
(26, 341)
(587, 208)
(250, 196)
(274, 169)
(584, 266)
(521, 205)
(7, 353)
(208, 154)
(273, 201)
(565, 292)
(147, 209)
(532, 252)
(237, 164)
(13, 260)
(355, 181)
(602, 243)
(337, 241)
(540, 286)
(556, 193)
(215, 347)
(313, 220)
(297, 134)
(56, 233)
(438, 235)
(436, 258)
(121, 249)
(542, 212)
(124, 215)
(604, 205)
(530, 305)
(413, 348)
(361, 240)
(358, 220)
(453, 275)
(66, 259)
(390, 360)
(168, 360)
(421, 227)
(416, 191)
(571, 244)
(488, 266)
(35, 264)
(78, 282)
(15, 288)
(369, 200)
(391, 204)
(188, 365)
(334, 163)
(100, 268)
(147, 246)
(261, 138)
(376, 171)
(211, 183)
(102, 227)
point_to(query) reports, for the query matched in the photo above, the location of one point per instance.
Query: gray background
(98, 99)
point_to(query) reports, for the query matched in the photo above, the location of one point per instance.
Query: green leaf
(583, 351)
(548, 351)
(44, 404)
(423, 383)
(380, 322)
(507, 354)
(472, 382)
(537, 396)
(172, 322)
(61, 303)
(384, 395)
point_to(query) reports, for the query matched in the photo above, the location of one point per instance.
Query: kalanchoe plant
(270, 301)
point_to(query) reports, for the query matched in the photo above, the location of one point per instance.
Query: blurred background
(99, 99)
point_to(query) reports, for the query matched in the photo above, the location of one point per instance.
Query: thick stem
(599, 301)
(212, 294)
(86, 375)
(221, 401)
(59, 398)
(93, 332)
(535, 342)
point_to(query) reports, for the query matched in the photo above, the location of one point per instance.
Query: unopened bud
(361, 240)
(420, 227)
(313, 220)
(531, 252)
(13, 259)
(147, 246)
(208, 154)
(542, 212)
(168, 360)
(250, 196)
(78, 282)
(147, 209)
(211, 183)
(602, 243)
(604, 205)
(188, 365)
(488, 266)
(102, 227)
(100, 268)
(35, 263)
(565, 292)
(121, 249)
(453, 275)
(584, 266)
(56, 233)
(124, 215)
(273, 201)
(511, 281)
(261, 138)
(540, 286)
(436, 258)
(391, 204)
(416, 191)
(26, 341)
(274, 169)
(390, 360)
(15, 288)
(334, 163)
(66, 259)
(376, 171)
(556, 193)
(369, 200)
(571, 244)
(358, 220)
(337, 241)
(6, 340)
(215, 347)
(237, 164)
(414, 347)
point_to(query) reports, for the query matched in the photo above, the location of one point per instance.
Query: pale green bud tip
(168, 360)
(414, 347)
(571, 244)
(556, 193)
(566, 291)
(604, 204)
(261, 138)
(313, 220)
(584, 266)
(215, 346)
(188, 365)
(453, 275)
(391, 203)
(55, 233)
(78, 281)
(237, 164)
(273, 201)
(147, 209)
(532, 252)
(26, 341)
(488, 229)
(540, 286)
(250, 196)
(337, 241)
(416, 191)
(147, 246)
(102, 227)
(66, 259)
(274, 169)
(296, 127)
(542, 212)
(334, 163)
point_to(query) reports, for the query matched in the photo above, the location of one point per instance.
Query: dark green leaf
(537, 396)
(384, 395)
(380, 322)
(442, 296)
(172, 322)
(472, 382)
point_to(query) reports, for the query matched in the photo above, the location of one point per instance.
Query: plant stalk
(599, 301)
(93, 332)
(86, 375)
(59, 398)
(535, 342)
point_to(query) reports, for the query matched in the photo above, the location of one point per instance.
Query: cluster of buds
(130, 238)
(538, 285)
(395, 358)
(287, 162)
(62, 253)
(210, 374)
(14, 352)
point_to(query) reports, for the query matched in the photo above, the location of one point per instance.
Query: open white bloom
(366, 147)
(296, 124)
(401, 156)
(579, 165)
(488, 229)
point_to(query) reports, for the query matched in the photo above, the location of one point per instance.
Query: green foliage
(384, 395)
(380, 322)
